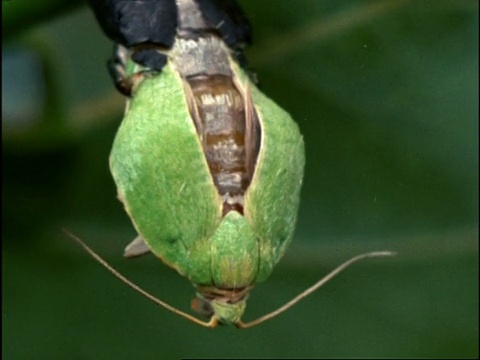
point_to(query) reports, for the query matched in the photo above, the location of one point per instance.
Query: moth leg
(151, 58)
(117, 69)
(136, 248)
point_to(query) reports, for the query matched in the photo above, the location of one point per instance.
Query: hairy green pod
(164, 182)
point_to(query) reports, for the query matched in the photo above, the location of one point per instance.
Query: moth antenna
(313, 288)
(211, 324)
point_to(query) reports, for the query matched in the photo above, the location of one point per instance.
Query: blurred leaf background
(386, 95)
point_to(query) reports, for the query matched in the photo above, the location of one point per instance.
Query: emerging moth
(208, 168)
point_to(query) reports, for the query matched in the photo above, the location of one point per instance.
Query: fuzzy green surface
(163, 179)
(273, 198)
(234, 253)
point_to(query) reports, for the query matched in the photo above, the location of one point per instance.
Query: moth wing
(136, 248)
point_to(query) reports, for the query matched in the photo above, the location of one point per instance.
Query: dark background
(385, 93)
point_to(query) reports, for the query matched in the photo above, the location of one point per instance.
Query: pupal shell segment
(164, 181)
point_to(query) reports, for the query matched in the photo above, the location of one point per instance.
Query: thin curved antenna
(311, 289)
(211, 324)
